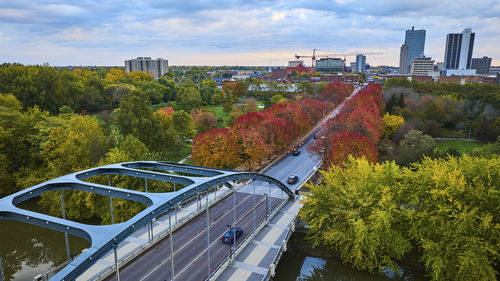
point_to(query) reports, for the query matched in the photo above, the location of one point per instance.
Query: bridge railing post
(208, 235)
(171, 243)
(117, 268)
(65, 233)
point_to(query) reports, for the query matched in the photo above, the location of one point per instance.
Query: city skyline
(235, 32)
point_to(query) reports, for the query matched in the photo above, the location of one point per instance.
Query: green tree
(414, 147)
(277, 99)
(455, 205)
(189, 98)
(78, 146)
(135, 118)
(217, 97)
(356, 212)
(183, 125)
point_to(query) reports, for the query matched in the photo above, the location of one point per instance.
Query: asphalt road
(190, 242)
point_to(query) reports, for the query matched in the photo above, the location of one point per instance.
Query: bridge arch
(104, 238)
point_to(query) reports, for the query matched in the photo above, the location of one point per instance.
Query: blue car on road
(229, 235)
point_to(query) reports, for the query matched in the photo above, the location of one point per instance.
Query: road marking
(241, 202)
(217, 240)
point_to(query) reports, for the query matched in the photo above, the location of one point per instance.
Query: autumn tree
(355, 212)
(444, 210)
(250, 148)
(215, 148)
(345, 144)
(392, 123)
(204, 121)
(414, 147)
(250, 105)
(233, 116)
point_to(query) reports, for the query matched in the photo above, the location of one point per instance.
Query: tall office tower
(458, 51)
(157, 67)
(360, 63)
(415, 39)
(403, 59)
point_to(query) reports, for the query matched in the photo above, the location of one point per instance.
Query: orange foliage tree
(216, 148)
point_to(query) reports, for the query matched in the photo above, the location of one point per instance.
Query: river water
(27, 250)
(303, 263)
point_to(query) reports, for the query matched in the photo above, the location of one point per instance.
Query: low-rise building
(279, 74)
(421, 66)
(481, 65)
(295, 63)
(329, 65)
(331, 78)
(421, 78)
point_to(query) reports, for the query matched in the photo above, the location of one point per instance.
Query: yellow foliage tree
(392, 123)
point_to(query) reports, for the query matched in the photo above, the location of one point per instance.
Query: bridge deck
(265, 249)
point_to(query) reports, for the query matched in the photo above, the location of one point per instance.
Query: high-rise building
(360, 63)
(329, 65)
(422, 66)
(458, 51)
(415, 39)
(353, 66)
(157, 67)
(403, 59)
(481, 65)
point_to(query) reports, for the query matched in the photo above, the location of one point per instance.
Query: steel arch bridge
(104, 238)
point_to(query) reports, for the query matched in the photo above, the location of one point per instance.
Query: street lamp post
(267, 197)
(230, 248)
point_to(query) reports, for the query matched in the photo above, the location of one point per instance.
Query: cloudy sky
(238, 32)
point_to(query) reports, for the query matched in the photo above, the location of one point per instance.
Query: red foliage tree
(336, 92)
(346, 143)
(359, 122)
(251, 120)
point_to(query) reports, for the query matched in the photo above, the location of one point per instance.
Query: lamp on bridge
(267, 212)
(230, 244)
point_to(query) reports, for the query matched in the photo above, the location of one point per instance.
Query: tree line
(36, 146)
(443, 211)
(256, 136)
(379, 212)
(446, 109)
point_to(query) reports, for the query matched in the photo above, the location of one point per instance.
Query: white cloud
(204, 32)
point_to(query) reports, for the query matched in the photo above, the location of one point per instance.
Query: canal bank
(302, 262)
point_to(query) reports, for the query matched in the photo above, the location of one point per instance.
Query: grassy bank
(459, 145)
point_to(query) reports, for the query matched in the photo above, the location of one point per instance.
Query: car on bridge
(292, 179)
(228, 237)
(296, 152)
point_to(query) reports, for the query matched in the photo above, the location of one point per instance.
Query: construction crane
(314, 56)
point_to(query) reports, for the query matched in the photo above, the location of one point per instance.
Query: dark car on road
(292, 179)
(228, 237)
(296, 152)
